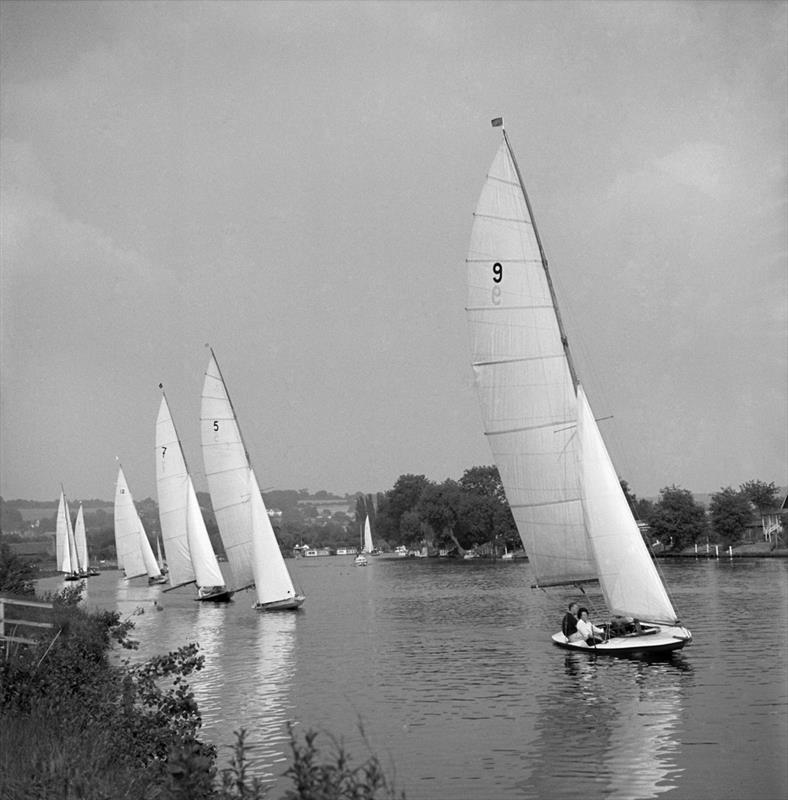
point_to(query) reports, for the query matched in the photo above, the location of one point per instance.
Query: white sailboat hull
(654, 639)
(288, 604)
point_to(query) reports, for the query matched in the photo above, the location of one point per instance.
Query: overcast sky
(294, 183)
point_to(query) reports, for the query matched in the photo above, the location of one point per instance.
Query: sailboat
(244, 525)
(81, 539)
(190, 555)
(570, 510)
(369, 546)
(366, 544)
(65, 542)
(135, 555)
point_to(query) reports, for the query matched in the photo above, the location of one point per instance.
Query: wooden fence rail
(22, 617)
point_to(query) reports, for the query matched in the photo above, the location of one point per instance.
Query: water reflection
(253, 689)
(614, 729)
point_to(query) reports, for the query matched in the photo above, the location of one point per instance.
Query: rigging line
(548, 277)
(596, 419)
(520, 220)
(503, 180)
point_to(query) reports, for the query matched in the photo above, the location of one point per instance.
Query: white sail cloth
(627, 575)
(244, 525)
(523, 380)
(135, 555)
(190, 556)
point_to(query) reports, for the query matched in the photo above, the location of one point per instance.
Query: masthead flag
(497, 122)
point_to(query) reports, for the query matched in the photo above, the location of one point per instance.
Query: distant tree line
(677, 521)
(462, 514)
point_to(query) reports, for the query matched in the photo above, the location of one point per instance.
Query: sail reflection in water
(254, 685)
(627, 712)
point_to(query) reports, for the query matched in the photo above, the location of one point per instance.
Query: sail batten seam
(527, 428)
(513, 360)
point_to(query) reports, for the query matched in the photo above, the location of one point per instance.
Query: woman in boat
(587, 629)
(569, 624)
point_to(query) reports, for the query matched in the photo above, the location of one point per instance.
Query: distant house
(768, 526)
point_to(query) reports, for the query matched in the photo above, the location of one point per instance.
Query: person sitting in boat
(569, 624)
(619, 626)
(587, 629)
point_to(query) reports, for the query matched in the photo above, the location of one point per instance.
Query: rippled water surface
(449, 669)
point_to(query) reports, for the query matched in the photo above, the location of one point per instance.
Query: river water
(445, 671)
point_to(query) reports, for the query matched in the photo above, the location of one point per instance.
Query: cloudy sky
(294, 183)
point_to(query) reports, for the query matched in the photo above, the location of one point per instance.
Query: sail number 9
(497, 270)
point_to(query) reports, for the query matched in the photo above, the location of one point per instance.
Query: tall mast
(230, 401)
(543, 256)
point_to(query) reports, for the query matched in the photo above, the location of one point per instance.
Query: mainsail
(367, 535)
(135, 556)
(227, 470)
(245, 527)
(190, 556)
(65, 544)
(524, 378)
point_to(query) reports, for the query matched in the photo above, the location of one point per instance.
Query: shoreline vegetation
(76, 725)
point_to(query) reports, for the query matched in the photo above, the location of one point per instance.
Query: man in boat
(569, 624)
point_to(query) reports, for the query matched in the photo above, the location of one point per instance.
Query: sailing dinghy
(190, 555)
(65, 541)
(244, 525)
(81, 539)
(135, 555)
(571, 513)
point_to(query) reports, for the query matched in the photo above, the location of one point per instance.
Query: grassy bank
(73, 725)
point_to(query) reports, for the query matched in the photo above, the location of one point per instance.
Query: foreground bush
(72, 726)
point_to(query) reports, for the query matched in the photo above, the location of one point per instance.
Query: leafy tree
(483, 481)
(630, 495)
(676, 519)
(16, 576)
(764, 496)
(411, 529)
(10, 517)
(643, 508)
(402, 497)
(730, 512)
(485, 513)
(438, 507)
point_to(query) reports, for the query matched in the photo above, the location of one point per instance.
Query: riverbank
(758, 550)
